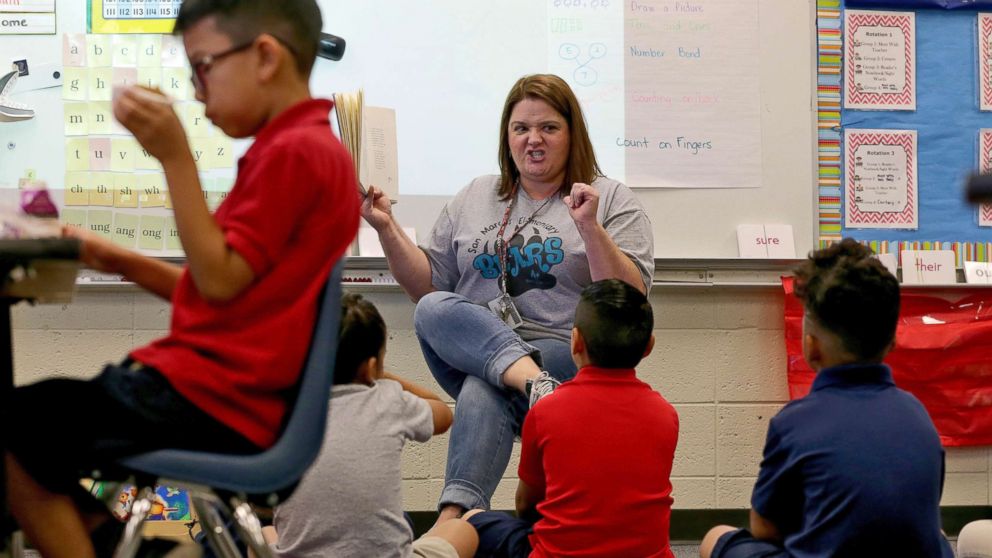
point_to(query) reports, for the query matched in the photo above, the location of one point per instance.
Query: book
(369, 135)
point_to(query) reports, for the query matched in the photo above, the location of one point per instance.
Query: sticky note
(73, 50)
(143, 160)
(195, 120)
(77, 188)
(99, 154)
(171, 235)
(125, 51)
(122, 151)
(102, 189)
(151, 190)
(76, 117)
(99, 53)
(149, 51)
(100, 221)
(125, 229)
(125, 190)
(151, 235)
(100, 80)
(73, 217)
(222, 153)
(100, 117)
(150, 77)
(173, 52)
(201, 149)
(214, 199)
(124, 77)
(75, 84)
(77, 154)
(175, 83)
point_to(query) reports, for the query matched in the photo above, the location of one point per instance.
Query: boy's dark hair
(295, 23)
(851, 294)
(616, 320)
(362, 336)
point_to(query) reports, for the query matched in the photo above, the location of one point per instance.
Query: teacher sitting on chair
(498, 283)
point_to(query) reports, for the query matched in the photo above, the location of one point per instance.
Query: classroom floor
(685, 550)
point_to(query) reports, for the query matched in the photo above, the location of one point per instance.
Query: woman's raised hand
(377, 209)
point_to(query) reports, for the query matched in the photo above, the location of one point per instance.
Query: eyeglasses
(202, 67)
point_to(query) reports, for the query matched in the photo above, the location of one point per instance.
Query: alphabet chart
(113, 187)
(133, 16)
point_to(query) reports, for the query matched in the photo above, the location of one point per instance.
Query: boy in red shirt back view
(596, 458)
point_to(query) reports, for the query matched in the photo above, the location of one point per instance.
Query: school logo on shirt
(529, 262)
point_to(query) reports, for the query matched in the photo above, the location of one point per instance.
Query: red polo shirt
(292, 212)
(602, 447)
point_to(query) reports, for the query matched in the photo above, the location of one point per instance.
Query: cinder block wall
(719, 358)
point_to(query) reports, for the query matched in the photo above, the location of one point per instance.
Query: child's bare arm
(442, 414)
(218, 271)
(154, 275)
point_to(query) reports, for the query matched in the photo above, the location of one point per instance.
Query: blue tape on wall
(921, 4)
(947, 120)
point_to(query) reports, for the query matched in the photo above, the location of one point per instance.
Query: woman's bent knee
(431, 307)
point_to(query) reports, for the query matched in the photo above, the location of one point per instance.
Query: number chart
(132, 16)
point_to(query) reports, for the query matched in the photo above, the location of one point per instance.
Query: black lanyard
(501, 251)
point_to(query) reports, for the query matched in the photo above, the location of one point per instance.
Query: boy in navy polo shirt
(243, 305)
(597, 453)
(855, 468)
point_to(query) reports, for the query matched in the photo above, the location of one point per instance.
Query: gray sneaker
(541, 386)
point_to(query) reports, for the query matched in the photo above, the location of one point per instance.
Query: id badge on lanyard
(502, 306)
(505, 310)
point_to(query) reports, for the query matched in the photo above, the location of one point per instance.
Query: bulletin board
(946, 125)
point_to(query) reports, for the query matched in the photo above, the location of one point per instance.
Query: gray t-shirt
(350, 501)
(548, 266)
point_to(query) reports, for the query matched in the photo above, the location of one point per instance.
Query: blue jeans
(467, 349)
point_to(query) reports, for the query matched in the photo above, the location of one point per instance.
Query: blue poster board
(947, 120)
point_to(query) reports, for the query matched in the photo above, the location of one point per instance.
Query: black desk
(39, 270)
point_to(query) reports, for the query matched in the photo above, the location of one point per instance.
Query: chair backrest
(282, 465)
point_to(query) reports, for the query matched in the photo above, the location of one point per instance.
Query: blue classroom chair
(265, 478)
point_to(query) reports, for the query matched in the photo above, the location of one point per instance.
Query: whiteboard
(445, 67)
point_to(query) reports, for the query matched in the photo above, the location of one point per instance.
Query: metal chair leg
(128, 546)
(212, 524)
(250, 528)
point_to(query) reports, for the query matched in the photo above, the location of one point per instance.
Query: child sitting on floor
(597, 453)
(350, 501)
(855, 468)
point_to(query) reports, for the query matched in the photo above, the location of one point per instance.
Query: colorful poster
(985, 61)
(880, 179)
(985, 165)
(132, 16)
(879, 60)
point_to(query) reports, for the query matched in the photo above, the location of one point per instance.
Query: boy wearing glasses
(244, 303)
